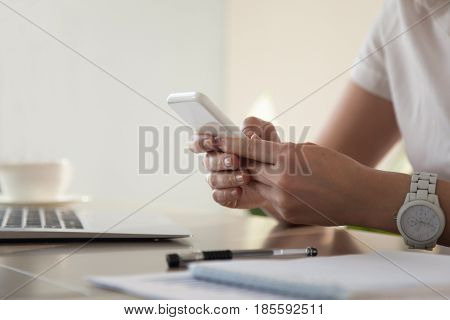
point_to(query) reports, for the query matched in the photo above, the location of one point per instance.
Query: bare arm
(392, 187)
(363, 126)
(362, 129)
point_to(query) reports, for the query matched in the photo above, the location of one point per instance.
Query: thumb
(263, 129)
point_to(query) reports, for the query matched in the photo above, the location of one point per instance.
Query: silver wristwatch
(421, 220)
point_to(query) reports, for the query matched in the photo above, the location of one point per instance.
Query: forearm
(360, 117)
(382, 197)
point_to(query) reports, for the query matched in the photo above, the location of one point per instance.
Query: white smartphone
(197, 110)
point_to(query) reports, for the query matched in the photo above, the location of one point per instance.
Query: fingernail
(208, 143)
(227, 161)
(239, 178)
(217, 140)
(249, 133)
(234, 193)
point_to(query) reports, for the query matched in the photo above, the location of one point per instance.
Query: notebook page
(332, 277)
(177, 285)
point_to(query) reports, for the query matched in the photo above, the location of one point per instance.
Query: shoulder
(389, 20)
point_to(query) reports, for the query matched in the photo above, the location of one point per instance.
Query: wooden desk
(66, 280)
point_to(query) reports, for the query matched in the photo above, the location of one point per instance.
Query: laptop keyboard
(15, 219)
(44, 218)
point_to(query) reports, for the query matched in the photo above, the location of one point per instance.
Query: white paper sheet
(337, 277)
(177, 285)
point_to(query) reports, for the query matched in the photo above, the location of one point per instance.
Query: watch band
(423, 187)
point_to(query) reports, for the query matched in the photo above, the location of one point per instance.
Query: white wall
(252, 57)
(54, 104)
(280, 51)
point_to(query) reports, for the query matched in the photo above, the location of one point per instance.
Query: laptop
(34, 222)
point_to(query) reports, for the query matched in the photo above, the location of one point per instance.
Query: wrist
(380, 199)
(443, 193)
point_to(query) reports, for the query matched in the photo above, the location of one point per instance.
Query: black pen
(175, 260)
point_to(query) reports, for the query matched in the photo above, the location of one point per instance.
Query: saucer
(61, 200)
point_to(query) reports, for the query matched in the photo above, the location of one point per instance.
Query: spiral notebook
(374, 275)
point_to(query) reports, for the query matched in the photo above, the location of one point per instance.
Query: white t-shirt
(413, 71)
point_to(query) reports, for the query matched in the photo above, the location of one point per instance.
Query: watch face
(420, 223)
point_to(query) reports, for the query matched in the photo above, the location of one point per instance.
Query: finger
(203, 143)
(256, 149)
(219, 161)
(261, 172)
(250, 198)
(227, 179)
(227, 197)
(253, 126)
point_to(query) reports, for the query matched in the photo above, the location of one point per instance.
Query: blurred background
(252, 57)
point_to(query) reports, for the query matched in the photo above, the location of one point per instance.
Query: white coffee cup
(35, 181)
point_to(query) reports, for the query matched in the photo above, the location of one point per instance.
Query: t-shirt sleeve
(370, 69)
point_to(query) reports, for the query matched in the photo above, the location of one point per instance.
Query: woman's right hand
(231, 184)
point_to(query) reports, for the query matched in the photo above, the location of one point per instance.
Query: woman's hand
(297, 183)
(304, 183)
(231, 183)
